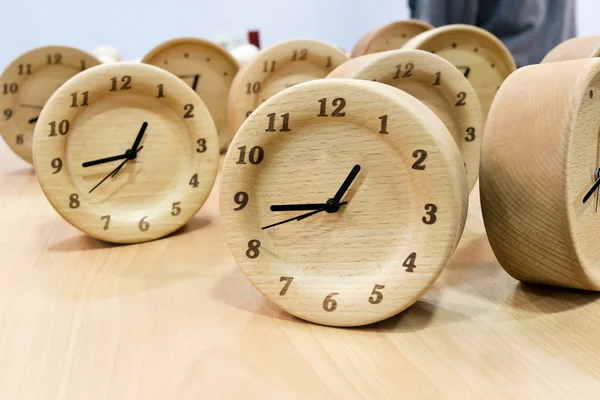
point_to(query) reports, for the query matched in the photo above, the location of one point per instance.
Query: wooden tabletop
(176, 319)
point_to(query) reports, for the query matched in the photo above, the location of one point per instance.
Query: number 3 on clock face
(331, 202)
(126, 152)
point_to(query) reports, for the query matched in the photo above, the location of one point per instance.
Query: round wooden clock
(435, 82)
(207, 68)
(389, 37)
(342, 200)
(25, 86)
(574, 49)
(540, 174)
(277, 68)
(480, 56)
(126, 152)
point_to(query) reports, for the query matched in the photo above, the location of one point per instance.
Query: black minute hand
(299, 217)
(346, 185)
(591, 191)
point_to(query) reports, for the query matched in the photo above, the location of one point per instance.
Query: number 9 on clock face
(332, 203)
(126, 152)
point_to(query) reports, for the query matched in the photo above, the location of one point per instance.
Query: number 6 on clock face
(126, 152)
(324, 209)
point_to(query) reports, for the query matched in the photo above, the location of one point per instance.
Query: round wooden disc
(438, 84)
(574, 49)
(479, 55)
(365, 260)
(207, 68)
(100, 113)
(276, 68)
(389, 37)
(540, 157)
(25, 86)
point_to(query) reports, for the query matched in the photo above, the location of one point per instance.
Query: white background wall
(135, 26)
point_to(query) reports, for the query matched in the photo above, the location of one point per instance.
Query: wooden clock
(207, 68)
(342, 200)
(276, 68)
(389, 37)
(540, 174)
(438, 84)
(574, 49)
(25, 86)
(126, 152)
(482, 58)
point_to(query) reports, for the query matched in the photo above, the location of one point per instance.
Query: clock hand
(300, 217)
(31, 106)
(33, 120)
(195, 76)
(591, 191)
(195, 84)
(347, 182)
(104, 160)
(297, 207)
(113, 173)
(466, 68)
(138, 138)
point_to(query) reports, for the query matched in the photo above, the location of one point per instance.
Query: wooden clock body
(479, 55)
(99, 114)
(435, 82)
(540, 156)
(207, 68)
(404, 214)
(277, 68)
(574, 49)
(389, 37)
(25, 86)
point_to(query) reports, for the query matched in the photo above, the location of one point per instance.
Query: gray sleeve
(529, 28)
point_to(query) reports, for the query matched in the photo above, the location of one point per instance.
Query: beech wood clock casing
(480, 56)
(342, 200)
(277, 68)
(540, 174)
(435, 82)
(207, 68)
(126, 152)
(389, 37)
(25, 86)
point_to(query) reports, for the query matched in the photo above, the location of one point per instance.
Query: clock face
(389, 37)
(332, 201)
(480, 56)
(27, 84)
(436, 83)
(583, 169)
(126, 152)
(277, 68)
(206, 68)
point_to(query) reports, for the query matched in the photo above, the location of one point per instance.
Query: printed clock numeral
(253, 249)
(430, 210)
(126, 80)
(329, 303)
(338, 101)
(255, 156)
(288, 281)
(241, 199)
(10, 88)
(376, 296)
(409, 263)
(75, 102)
(285, 124)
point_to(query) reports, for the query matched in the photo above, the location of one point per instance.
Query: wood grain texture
(25, 86)
(436, 83)
(177, 319)
(389, 37)
(216, 68)
(276, 68)
(481, 56)
(540, 153)
(574, 49)
(151, 195)
(376, 255)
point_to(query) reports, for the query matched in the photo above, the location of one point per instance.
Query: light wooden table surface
(176, 319)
